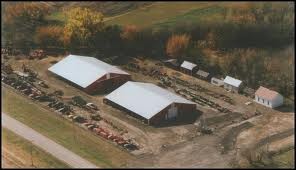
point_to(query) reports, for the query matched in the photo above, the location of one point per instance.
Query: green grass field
(285, 160)
(58, 18)
(206, 14)
(78, 140)
(21, 147)
(156, 13)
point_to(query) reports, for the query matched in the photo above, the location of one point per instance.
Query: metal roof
(232, 81)
(202, 73)
(83, 70)
(266, 93)
(188, 65)
(144, 99)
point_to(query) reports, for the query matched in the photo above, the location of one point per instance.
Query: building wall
(183, 110)
(233, 88)
(270, 103)
(219, 82)
(105, 83)
(187, 71)
(101, 84)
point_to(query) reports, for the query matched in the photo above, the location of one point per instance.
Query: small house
(150, 103)
(232, 84)
(203, 75)
(188, 67)
(268, 98)
(217, 82)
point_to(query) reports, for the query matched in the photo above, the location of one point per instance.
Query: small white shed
(268, 97)
(217, 82)
(188, 67)
(232, 84)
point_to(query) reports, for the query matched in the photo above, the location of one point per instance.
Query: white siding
(278, 101)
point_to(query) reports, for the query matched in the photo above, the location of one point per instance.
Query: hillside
(107, 8)
(178, 13)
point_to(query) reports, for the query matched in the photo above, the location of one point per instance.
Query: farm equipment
(78, 101)
(39, 54)
(7, 68)
(79, 119)
(42, 84)
(92, 106)
(96, 117)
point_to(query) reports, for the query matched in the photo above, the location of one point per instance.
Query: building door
(172, 112)
(108, 76)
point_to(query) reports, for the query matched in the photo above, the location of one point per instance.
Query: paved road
(45, 143)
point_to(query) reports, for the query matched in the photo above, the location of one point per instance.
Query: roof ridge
(137, 84)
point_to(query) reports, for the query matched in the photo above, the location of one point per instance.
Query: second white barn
(149, 102)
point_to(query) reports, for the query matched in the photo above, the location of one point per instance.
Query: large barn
(149, 102)
(89, 74)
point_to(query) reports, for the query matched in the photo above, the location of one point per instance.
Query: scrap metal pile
(26, 86)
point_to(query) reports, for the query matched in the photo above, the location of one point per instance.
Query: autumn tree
(49, 36)
(177, 45)
(82, 26)
(20, 21)
(130, 36)
(129, 32)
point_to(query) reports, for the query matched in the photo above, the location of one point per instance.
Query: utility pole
(31, 153)
(74, 132)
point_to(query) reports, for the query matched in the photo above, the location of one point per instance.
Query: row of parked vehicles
(25, 85)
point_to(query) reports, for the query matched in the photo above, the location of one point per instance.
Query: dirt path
(45, 143)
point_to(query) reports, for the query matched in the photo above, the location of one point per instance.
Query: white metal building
(88, 73)
(268, 97)
(232, 84)
(188, 67)
(149, 102)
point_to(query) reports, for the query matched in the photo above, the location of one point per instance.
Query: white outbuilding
(188, 67)
(232, 84)
(268, 97)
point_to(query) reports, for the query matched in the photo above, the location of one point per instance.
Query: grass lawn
(13, 145)
(58, 17)
(156, 13)
(206, 14)
(285, 160)
(78, 140)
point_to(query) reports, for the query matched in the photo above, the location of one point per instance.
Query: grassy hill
(156, 13)
(107, 8)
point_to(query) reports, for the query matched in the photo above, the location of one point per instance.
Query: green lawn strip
(284, 160)
(78, 140)
(40, 157)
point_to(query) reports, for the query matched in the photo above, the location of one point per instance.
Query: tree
(21, 20)
(130, 35)
(177, 45)
(129, 32)
(82, 26)
(50, 36)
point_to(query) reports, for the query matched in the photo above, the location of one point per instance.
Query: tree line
(242, 41)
